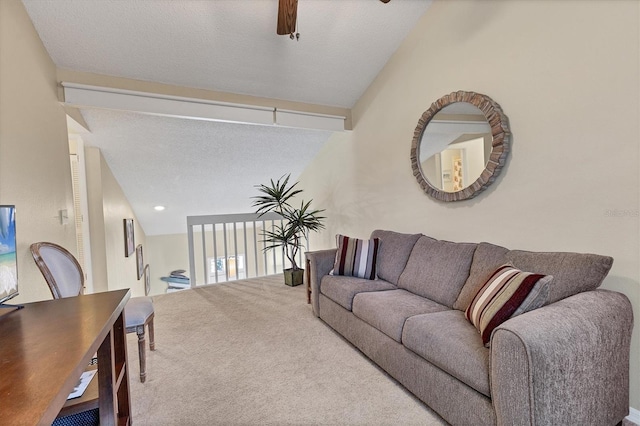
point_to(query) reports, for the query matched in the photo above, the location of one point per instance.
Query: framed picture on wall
(147, 280)
(140, 261)
(129, 242)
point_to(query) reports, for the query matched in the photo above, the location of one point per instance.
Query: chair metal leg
(152, 342)
(142, 353)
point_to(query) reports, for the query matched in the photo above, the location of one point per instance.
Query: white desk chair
(65, 278)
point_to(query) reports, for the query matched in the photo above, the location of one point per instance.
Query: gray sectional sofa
(566, 363)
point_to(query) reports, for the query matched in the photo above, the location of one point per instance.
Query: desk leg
(106, 396)
(113, 378)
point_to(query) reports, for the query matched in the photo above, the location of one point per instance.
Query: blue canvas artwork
(8, 262)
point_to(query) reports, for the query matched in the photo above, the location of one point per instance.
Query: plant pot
(293, 277)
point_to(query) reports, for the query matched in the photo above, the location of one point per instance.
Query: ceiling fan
(287, 16)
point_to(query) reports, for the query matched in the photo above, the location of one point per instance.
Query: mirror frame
(500, 144)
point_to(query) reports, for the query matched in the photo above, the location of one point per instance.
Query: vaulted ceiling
(208, 167)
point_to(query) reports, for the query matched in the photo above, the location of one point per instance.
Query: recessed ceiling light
(159, 208)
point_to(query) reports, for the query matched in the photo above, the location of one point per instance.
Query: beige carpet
(252, 353)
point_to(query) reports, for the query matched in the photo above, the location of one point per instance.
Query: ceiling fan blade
(287, 14)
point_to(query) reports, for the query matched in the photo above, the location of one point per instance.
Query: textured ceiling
(223, 45)
(194, 167)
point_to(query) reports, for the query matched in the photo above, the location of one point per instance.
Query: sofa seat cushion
(437, 269)
(393, 253)
(447, 340)
(343, 289)
(388, 310)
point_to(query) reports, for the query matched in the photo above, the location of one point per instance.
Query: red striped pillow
(356, 258)
(507, 293)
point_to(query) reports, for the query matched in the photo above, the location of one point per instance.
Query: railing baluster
(255, 248)
(268, 221)
(226, 252)
(244, 234)
(215, 252)
(264, 252)
(204, 252)
(274, 264)
(192, 256)
(235, 247)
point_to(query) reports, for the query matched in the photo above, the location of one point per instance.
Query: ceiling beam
(198, 95)
(88, 96)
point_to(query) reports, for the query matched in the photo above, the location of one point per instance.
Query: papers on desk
(85, 379)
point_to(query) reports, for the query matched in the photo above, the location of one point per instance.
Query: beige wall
(108, 207)
(93, 165)
(34, 153)
(166, 253)
(567, 75)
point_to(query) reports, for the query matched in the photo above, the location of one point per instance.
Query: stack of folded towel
(179, 276)
(177, 280)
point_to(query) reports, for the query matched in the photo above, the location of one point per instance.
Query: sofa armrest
(320, 264)
(566, 363)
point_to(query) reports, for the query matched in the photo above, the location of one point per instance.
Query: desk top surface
(44, 348)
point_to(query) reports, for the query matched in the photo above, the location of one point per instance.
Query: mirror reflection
(459, 146)
(455, 147)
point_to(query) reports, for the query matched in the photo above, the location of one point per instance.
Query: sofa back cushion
(437, 269)
(572, 273)
(486, 259)
(393, 253)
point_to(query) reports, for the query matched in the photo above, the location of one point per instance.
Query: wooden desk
(45, 347)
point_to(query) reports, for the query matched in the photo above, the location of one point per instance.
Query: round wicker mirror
(459, 146)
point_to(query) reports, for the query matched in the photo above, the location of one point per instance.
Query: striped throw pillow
(356, 258)
(508, 292)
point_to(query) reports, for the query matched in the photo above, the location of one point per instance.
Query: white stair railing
(230, 247)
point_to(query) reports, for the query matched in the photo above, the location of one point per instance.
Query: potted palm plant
(297, 223)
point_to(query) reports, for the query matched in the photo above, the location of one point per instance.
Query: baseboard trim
(634, 415)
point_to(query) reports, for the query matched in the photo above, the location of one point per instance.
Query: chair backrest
(60, 269)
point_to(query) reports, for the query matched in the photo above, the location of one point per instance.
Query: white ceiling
(196, 167)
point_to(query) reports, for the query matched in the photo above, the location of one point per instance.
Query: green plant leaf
(298, 222)
(276, 196)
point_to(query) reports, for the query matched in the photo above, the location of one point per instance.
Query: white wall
(566, 74)
(34, 152)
